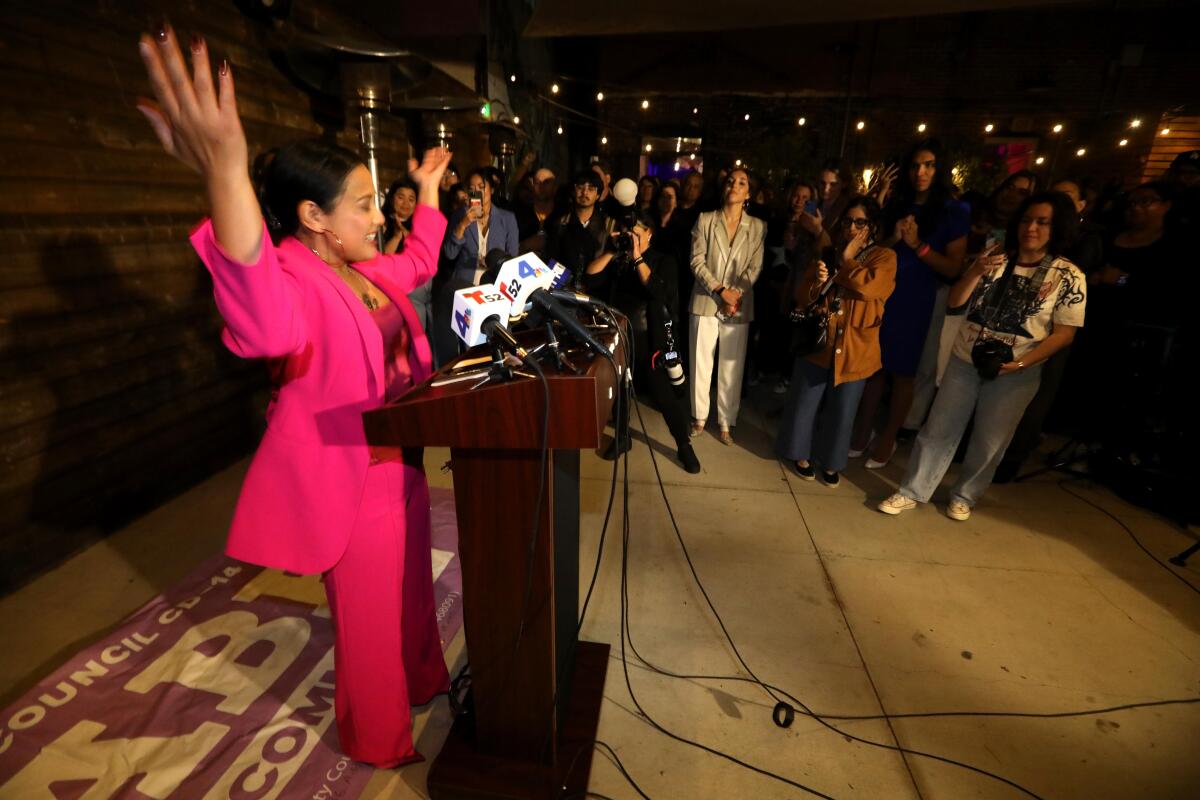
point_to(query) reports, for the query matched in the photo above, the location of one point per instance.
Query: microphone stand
(552, 346)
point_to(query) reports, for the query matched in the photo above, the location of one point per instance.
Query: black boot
(687, 457)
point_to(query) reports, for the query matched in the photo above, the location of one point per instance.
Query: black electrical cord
(1063, 485)
(777, 710)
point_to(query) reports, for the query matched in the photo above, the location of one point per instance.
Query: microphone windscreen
(494, 259)
(625, 191)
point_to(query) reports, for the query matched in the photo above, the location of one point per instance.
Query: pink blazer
(302, 492)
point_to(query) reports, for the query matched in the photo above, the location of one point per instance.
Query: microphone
(496, 333)
(546, 302)
(494, 260)
(576, 298)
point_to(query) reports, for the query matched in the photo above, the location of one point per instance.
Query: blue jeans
(997, 405)
(801, 435)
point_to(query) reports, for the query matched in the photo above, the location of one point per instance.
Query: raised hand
(195, 121)
(427, 175)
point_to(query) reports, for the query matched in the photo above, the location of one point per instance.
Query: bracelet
(639, 260)
(923, 249)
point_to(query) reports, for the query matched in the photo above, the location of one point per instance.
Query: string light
(1164, 131)
(867, 173)
(677, 166)
(645, 104)
(647, 148)
(1040, 160)
(802, 121)
(989, 128)
(1135, 123)
(512, 78)
(1123, 142)
(600, 97)
(1057, 128)
(737, 163)
(747, 118)
(560, 130)
(921, 128)
(603, 140)
(554, 88)
(860, 125)
(695, 110)
(516, 120)
(1081, 152)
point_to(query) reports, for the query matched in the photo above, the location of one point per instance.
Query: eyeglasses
(1144, 202)
(857, 222)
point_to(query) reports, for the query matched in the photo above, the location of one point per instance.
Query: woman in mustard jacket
(863, 278)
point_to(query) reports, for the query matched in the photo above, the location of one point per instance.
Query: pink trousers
(387, 652)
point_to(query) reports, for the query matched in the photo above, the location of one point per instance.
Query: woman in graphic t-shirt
(1022, 307)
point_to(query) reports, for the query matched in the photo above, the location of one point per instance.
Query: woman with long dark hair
(398, 206)
(332, 316)
(929, 234)
(863, 276)
(1022, 306)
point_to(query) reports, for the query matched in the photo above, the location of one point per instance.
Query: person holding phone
(833, 377)
(477, 230)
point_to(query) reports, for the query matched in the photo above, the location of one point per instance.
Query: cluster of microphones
(513, 288)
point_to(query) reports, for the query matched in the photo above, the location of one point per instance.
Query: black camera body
(989, 355)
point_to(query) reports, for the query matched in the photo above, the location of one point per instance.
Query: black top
(648, 305)
(571, 243)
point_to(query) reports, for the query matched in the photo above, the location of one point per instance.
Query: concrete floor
(1040, 603)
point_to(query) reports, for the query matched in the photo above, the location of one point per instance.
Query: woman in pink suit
(331, 314)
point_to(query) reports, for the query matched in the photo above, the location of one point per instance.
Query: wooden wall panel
(115, 392)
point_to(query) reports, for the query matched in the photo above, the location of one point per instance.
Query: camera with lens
(624, 222)
(989, 355)
(668, 359)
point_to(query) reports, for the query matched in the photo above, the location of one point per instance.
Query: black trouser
(671, 400)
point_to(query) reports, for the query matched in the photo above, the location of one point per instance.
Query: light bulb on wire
(600, 97)
(560, 130)
(554, 88)
(645, 104)
(802, 121)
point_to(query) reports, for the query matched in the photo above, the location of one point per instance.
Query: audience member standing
(580, 234)
(1022, 307)
(833, 377)
(929, 234)
(473, 232)
(727, 255)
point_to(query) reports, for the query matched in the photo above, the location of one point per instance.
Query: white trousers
(727, 343)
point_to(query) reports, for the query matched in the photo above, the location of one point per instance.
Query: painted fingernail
(224, 67)
(197, 43)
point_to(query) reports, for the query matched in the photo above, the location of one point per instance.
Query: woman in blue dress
(929, 234)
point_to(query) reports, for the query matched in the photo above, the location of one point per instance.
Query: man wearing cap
(578, 236)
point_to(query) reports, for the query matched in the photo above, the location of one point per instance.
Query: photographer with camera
(849, 293)
(1021, 308)
(641, 281)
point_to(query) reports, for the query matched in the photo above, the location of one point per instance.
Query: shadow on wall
(117, 396)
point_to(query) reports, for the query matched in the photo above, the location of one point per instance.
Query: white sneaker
(958, 510)
(896, 503)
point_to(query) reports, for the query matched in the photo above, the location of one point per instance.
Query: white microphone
(472, 307)
(519, 277)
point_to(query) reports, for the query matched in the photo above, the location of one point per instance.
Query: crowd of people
(901, 306)
(914, 282)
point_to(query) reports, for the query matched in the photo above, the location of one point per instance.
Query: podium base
(462, 772)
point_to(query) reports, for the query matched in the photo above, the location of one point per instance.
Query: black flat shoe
(687, 457)
(805, 473)
(830, 479)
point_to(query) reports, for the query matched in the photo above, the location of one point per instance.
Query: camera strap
(1002, 287)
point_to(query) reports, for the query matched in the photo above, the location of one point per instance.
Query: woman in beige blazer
(727, 255)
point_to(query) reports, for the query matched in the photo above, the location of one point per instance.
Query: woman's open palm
(196, 121)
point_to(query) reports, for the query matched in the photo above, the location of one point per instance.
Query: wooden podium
(535, 695)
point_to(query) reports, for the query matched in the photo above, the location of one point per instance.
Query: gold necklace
(350, 277)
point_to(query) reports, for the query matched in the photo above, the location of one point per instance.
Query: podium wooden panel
(535, 693)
